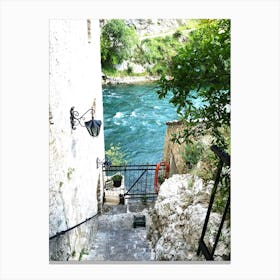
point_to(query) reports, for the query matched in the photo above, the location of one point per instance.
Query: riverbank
(106, 80)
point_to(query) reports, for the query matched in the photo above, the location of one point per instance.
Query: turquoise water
(134, 119)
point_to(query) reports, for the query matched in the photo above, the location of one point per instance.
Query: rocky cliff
(176, 221)
(151, 27)
(173, 152)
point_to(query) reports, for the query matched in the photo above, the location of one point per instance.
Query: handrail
(221, 154)
(224, 161)
(64, 231)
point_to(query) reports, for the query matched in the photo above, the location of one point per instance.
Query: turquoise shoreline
(106, 80)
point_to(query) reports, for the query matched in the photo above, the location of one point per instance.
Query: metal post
(210, 204)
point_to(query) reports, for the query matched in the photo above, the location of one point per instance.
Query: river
(134, 119)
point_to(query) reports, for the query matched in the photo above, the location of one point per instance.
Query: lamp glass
(93, 127)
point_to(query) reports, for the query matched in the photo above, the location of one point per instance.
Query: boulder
(177, 219)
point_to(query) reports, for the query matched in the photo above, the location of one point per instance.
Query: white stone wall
(75, 80)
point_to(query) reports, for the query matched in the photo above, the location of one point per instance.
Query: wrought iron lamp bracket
(104, 163)
(76, 120)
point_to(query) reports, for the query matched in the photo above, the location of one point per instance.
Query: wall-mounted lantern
(93, 126)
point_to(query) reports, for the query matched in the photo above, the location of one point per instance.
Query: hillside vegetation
(140, 47)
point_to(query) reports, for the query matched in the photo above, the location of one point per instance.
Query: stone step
(117, 240)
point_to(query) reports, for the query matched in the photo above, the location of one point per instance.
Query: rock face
(176, 222)
(173, 152)
(148, 27)
(74, 244)
(75, 184)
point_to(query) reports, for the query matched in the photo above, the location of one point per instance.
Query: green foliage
(115, 155)
(178, 34)
(201, 159)
(120, 42)
(192, 153)
(208, 162)
(222, 192)
(70, 173)
(201, 71)
(129, 69)
(117, 42)
(112, 72)
(194, 23)
(156, 52)
(117, 177)
(82, 253)
(161, 179)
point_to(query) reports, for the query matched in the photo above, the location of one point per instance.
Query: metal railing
(139, 179)
(221, 181)
(75, 226)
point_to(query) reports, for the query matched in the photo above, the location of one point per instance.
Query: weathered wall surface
(73, 245)
(75, 80)
(176, 221)
(173, 152)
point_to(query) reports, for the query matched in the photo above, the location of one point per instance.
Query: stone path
(117, 240)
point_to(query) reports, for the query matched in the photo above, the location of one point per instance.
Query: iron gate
(139, 180)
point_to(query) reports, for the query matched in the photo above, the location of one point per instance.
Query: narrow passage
(117, 239)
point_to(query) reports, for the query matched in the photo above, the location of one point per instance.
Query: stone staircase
(116, 239)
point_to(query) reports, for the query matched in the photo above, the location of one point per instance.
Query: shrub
(117, 177)
(129, 69)
(202, 66)
(115, 155)
(177, 34)
(193, 152)
(222, 192)
(161, 179)
(117, 42)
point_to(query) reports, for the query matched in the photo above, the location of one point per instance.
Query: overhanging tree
(117, 42)
(200, 73)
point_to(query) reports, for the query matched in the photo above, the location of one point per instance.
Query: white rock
(122, 66)
(178, 217)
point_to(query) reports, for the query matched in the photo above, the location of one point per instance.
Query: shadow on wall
(73, 148)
